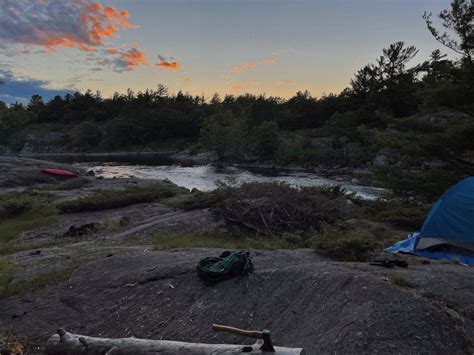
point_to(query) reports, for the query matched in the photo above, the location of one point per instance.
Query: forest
(418, 114)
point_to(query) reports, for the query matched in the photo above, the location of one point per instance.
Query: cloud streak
(244, 67)
(272, 59)
(275, 56)
(170, 63)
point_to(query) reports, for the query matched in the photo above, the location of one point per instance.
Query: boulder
(202, 158)
(386, 157)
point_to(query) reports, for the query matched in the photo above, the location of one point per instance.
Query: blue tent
(448, 230)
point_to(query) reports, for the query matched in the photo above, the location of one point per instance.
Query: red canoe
(59, 172)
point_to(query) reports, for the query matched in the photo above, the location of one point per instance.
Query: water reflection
(204, 177)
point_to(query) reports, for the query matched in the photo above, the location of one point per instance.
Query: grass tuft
(24, 211)
(14, 247)
(71, 184)
(115, 199)
(8, 287)
(399, 280)
(220, 240)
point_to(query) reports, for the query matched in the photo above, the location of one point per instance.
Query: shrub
(398, 213)
(198, 200)
(275, 208)
(346, 243)
(428, 185)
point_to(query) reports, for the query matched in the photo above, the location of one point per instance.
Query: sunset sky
(274, 47)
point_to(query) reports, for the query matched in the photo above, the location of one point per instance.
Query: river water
(204, 177)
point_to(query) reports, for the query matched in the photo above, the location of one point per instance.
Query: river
(204, 177)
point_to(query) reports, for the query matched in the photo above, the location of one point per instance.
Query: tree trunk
(74, 344)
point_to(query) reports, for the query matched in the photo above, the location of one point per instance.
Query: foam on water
(204, 177)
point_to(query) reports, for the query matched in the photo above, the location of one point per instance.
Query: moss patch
(24, 211)
(14, 247)
(72, 184)
(8, 287)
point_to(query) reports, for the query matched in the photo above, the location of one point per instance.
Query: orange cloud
(80, 24)
(126, 59)
(273, 59)
(170, 64)
(284, 82)
(243, 67)
(102, 22)
(112, 51)
(86, 25)
(134, 57)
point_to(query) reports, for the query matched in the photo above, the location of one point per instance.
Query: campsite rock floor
(306, 301)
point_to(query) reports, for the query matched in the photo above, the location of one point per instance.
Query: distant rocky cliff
(44, 142)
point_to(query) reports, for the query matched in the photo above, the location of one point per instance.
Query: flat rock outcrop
(306, 301)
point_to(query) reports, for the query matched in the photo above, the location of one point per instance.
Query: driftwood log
(72, 344)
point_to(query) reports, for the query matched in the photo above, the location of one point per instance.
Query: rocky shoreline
(359, 175)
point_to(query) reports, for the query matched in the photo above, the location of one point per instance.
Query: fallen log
(74, 344)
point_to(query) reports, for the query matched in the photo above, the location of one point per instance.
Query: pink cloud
(244, 67)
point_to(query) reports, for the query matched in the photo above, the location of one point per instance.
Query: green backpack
(229, 264)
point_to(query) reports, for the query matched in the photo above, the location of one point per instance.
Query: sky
(272, 47)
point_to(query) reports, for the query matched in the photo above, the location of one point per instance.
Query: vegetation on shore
(107, 200)
(332, 222)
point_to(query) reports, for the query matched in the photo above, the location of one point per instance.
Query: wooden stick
(246, 333)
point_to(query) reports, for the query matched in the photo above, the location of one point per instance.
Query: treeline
(418, 113)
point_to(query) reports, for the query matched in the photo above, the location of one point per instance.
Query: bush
(398, 213)
(276, 208)
(428, 185)
(346, 243)
(199, 200)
